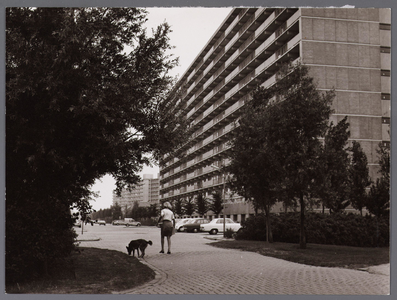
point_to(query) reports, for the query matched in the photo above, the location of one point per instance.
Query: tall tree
(255, 172)
(296, 117)
(153, 211)
(201, 204)
(189, 206)
(79, 106)
(359, 177)
(116, 211)
(178, 207)
(216, 205)
(333, 180)
(378, 200)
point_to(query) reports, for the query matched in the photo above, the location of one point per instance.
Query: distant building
(347, 49)
(145, 193)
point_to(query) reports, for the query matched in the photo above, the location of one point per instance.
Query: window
(385, 73)
(385, 49)
(383, 26)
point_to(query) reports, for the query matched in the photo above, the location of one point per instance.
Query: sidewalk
(194, 267)
(87, 236)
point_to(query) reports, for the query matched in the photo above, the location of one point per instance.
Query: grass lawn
(92, 271)
(314, 254)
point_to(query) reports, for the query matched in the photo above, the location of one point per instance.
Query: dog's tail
(150, 242)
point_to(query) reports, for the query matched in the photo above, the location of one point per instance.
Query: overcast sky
(191, 30)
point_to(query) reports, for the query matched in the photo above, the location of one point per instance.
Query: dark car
(194, 225)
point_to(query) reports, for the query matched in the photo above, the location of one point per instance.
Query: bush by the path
(333, 229)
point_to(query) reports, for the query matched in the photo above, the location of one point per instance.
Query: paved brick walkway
(197, 268)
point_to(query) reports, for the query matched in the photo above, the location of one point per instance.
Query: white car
(216, 225)
(179, 224)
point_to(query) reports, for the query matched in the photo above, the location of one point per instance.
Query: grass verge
(314, 254)
(92, 271)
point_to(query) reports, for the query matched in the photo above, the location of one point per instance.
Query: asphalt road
(194, 267)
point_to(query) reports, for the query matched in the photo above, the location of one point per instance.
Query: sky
(192, 27)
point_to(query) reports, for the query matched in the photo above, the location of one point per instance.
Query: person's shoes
(161, 251)
(169, 252)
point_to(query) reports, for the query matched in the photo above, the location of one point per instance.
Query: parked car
(101, 222)
(132, 222)
(119, 222)
(193, 225)
(179, 224)
(216, 225)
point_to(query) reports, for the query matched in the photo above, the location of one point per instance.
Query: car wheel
(195, 230)
(139, 224)
(213, 231)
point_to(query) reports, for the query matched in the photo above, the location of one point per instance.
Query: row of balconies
(221, 42)
(237, 57)
(268, 23)
(239, 38)
(192, 172)
(219, 134)
(197, 163)
(204, 132)
(245, 82)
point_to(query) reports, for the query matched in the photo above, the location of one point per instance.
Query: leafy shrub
(333, 229)
(229, 233)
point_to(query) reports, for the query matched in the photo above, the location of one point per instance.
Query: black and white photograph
(198, 150)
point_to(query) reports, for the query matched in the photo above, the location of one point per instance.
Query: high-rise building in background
(145, 193)
(347, 49)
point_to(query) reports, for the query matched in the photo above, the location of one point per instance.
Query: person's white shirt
(167, 215)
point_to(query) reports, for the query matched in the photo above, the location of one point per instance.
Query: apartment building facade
(347, 49)
(145, 193)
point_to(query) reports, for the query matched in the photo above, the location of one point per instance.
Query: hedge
(333, 229)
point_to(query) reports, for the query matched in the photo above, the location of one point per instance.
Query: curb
(160, 277)
(89, 240)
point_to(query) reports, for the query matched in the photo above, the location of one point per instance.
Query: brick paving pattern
(197, 268)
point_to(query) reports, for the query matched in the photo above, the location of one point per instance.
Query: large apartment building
(145, 193)
(347, 49)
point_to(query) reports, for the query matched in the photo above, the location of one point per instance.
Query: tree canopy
(333, 180)
(80, 105)
(378, 200)
(279, 133)
(359, 177)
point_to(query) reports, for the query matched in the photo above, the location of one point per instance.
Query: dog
(137, 245)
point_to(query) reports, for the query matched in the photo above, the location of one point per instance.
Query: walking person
(167, 221)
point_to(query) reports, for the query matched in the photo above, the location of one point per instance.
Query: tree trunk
(269, 234)
(302, 242)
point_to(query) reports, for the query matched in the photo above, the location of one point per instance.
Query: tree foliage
(179, 207)
(201, 205)
(189, 206)
(378, 200)
(79, 106)
(116, 212)
(216, 205)
(359, 177)
(333, 180)
(292, 116)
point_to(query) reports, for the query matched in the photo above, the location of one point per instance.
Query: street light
(223, 200)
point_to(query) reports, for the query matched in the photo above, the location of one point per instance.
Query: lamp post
(223, 200)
